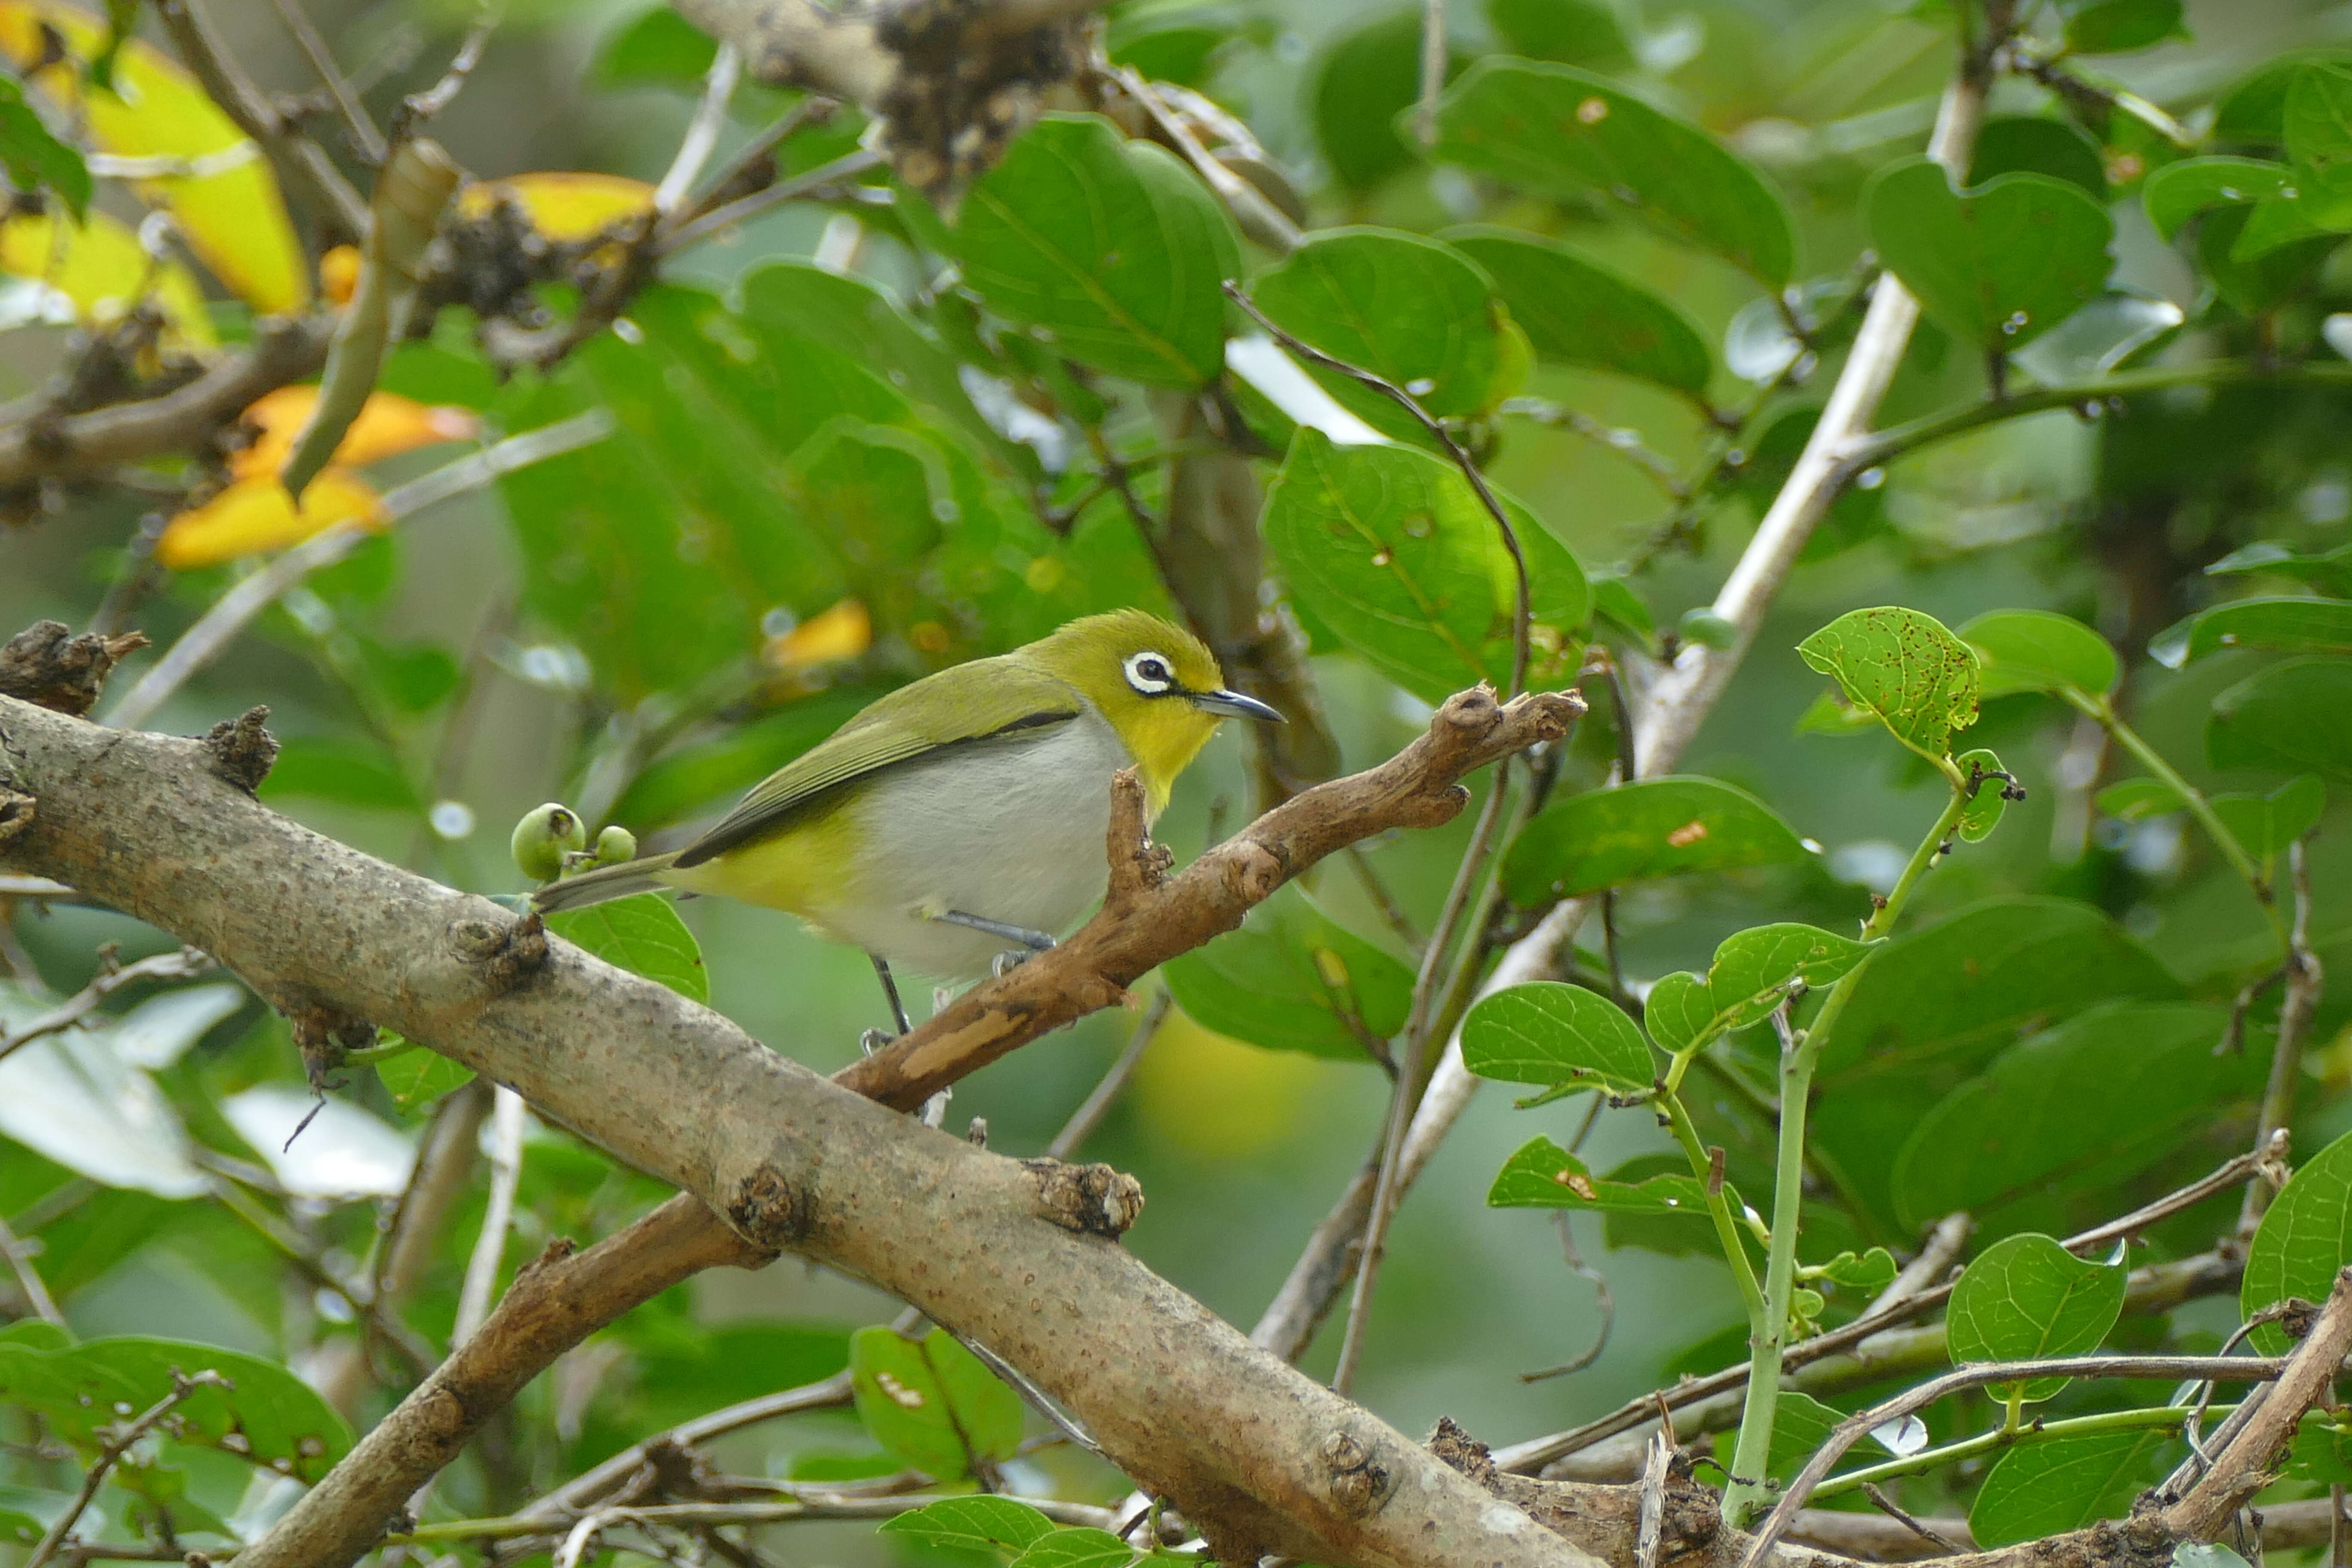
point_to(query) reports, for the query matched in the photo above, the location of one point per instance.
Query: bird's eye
(1149, 673)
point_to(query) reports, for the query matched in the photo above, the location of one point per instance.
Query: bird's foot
(1011, 959)
(873, 1040)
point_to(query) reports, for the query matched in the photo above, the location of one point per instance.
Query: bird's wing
(964, 704)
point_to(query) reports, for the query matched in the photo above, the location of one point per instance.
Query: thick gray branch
(1265, 1459)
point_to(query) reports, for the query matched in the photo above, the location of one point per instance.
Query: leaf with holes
(1652, 827)
(264, 1413)
(932, 1402)
(1110, 246)
(1999, 265)
(2027, 1297)
(1544, 1175)
(1981, 813)
(1546, 1032)
(2035, 650)
(1914, 677)
(1555, 128)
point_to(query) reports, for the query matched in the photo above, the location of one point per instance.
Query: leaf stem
(2001, 1437)
(1746, 1494)
(2101, 711)
(1718, 1208)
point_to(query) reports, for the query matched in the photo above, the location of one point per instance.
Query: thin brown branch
(86, 445)
(1150, 918)
(1096, 1105)
(364, 134)
(2242, 1466)
(2304, 979)
(845, 168)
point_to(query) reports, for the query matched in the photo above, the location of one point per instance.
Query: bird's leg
(1034, 941)
(875, 1039)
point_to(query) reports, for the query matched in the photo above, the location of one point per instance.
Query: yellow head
(1157, 683)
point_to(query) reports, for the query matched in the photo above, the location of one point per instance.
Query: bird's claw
(1011, 959)
(873, 1040)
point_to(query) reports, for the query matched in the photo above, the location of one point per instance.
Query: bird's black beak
(1234, 705)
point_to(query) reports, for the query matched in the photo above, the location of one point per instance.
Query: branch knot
(50, 668)
(242, 751)
(1093, 1200)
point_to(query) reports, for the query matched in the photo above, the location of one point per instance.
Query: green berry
(1708, 629)
(615, 845)
(541, 838)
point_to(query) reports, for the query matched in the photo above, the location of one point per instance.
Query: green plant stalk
(1748, 1494)
(1989, 1442)
(1718, 1208)
(2103, 712)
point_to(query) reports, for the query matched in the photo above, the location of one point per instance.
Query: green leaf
(974, 1524)
(1077, 1546)
(36, 161)
(1868, 1272)
(2322, 1451)
(1576, 31)
(1937, 1005)
(417, 1077)
(1983, 813)
(267, 1414)
(2306, 1235)
(2296, 623)
(1652, 827)
(1417, 314)
(2330, 571)
(2032, 144)
(1110, 246)
(659, 49)
(1754, 970)
(1558, 129)
(931, 1402)
(1392, 550)
(1800, 1424)
(2318, 126)
(347, 771)
(695, 777)
(2045, 1489)
(2112, 26)
(1361, 83)
(2025, 1297)
(1546, 1176)
(2294, 717)
(2178, 192)
(2266, 824)
(1546, 1032)
(643, 935)
(2137, 800)
(2076, 1108)
(1905, 668)
(18, 1528)
(1577, 312)
(1291, 979)
(1679, 1011)
(1996, 266)
(2035, 650)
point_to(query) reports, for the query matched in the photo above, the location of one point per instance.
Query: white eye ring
(1149, 673)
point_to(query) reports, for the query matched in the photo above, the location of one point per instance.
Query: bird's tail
(605, 882)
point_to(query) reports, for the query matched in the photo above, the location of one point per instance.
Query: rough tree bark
(1020, 1255)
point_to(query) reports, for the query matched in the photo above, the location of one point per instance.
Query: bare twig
(364, 134)
(1942, 1249)
(1432, 83)
(507, 1124)
(20, 1254)
(845, 168)
(186, 963)
(301, 162)
(702, 133)
(1604, 1300)
(1090, 1114)
(1911, 1521)
(1257, 216)
(111, 1451)
(737, 171)
(2304, 977)
(419, 107)
(236, 610)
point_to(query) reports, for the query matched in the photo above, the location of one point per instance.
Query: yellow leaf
(1213, 1098)
(231, 211)
(388, 424)
(844, 631)
(254, 515)
(562, 206)
(99, 267)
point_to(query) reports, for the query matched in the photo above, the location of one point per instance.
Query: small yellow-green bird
(962, 817)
